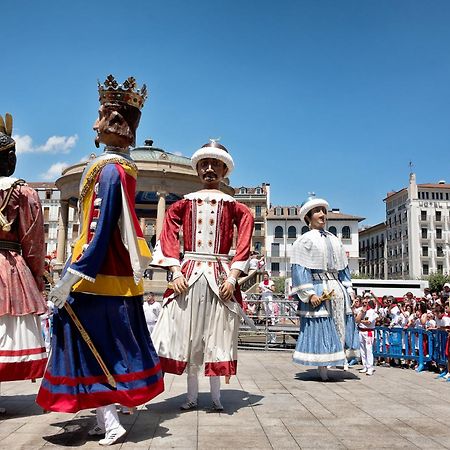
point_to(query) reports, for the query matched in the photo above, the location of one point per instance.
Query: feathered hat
(6, 141)
(213, 150)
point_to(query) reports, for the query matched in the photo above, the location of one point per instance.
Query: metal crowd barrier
(414, 344)
(275, 330)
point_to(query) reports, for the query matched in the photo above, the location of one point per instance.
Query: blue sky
(334, 97)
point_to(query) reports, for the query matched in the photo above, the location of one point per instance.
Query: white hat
(216, 151)
(312, 202)
(447, 285)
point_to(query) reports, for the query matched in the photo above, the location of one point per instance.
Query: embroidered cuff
(241, 265)
(81, 275)
(158, 258)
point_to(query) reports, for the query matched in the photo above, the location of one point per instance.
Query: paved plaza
(272, 403)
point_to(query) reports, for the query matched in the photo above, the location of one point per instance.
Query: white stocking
(214, 385)
(192, 382)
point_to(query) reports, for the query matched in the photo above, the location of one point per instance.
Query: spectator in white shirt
(366, 319)
(152, 309)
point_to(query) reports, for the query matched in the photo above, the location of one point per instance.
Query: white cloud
(54, 144)
(54, 171)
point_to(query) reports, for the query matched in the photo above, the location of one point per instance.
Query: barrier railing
(414, 344)
(276, 322)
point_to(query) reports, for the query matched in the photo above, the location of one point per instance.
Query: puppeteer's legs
(193, 371)
(108, 424)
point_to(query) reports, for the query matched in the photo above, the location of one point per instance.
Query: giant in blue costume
(319, 265)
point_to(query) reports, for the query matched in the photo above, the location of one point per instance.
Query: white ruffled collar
(6, 182)
(209, 195)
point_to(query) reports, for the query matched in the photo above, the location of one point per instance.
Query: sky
(335, 97)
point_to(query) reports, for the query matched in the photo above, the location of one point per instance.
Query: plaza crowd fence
(276, 322)
(413, 344)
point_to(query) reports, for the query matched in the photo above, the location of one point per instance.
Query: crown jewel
(112, 91)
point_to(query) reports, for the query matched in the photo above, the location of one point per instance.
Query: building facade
(50, 197)
(257, 199)
(417, 230)
(373, 252)
(284, 227)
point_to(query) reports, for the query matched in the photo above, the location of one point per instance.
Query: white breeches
(366, 346)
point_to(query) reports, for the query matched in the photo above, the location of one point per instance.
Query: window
(258, 211)
(278, 232)
(425, 269)
(305, 229)
(258, 227)
(439, 250)
(242, 190)
(446, 196)
(258, 190)
(275, 250)
(278, 211)
(440, 268)
(438, 216)
(75, 230)
(258, 246)
(427, 195)
(423, 215)
(424, 233)
(292, 211)
(48, 195)
(275, 267)
(432, 196)
(46, 228)
(346, 232)
(333, 230)
(46, 213)
(292, 232)
(424, 250)
(440, 196)
(438, 233)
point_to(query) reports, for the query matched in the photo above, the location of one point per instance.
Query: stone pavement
(272, 403)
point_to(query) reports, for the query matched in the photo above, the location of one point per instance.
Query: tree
(437, 280)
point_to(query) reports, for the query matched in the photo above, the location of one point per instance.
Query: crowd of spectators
(428, 312)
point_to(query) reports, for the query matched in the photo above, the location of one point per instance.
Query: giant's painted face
(318, 218)
(112, 126)
(211, 171)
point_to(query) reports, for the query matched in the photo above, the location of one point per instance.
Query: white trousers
(269, 309)
(107, 417)
(366, 346)
(193, 371)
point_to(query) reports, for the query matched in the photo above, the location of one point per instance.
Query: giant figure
(22, 350)
(103, 283)
(321, 280)
(199, 322)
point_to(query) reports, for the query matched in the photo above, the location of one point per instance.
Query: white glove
(58, 295)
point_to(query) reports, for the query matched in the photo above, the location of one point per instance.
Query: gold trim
(97, 169)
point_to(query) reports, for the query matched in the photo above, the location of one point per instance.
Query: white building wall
(351, 246)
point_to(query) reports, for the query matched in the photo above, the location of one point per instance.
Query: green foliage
(359, 276)
(437, 281)
(279, 284)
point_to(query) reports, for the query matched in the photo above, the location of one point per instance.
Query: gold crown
(112, 91)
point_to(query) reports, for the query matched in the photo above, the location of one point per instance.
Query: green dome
(150, 153)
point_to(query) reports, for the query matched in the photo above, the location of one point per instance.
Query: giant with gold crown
(103, 277)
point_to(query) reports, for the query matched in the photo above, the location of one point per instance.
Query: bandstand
(162, 180)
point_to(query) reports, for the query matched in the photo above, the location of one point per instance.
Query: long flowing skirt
(22, 350)
(197, 328)
(74, 379)
(318, 343)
